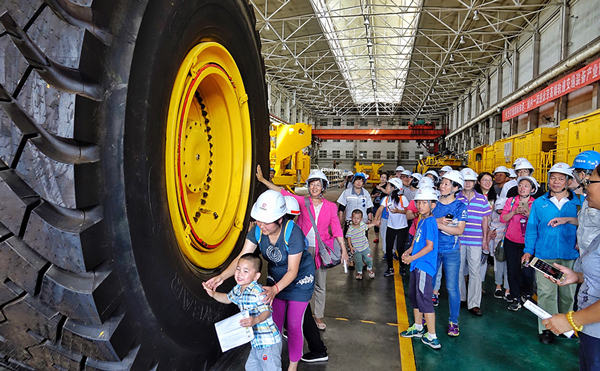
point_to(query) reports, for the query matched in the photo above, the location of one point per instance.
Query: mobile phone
(545, 268)
(450, 216)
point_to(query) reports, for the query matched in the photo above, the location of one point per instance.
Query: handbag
(329, 256)
(499, 254)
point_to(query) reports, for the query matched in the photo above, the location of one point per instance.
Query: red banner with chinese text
(572, 82)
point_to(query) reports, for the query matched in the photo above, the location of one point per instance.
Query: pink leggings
(292, 313)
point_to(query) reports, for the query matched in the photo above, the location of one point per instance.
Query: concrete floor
(362, 331)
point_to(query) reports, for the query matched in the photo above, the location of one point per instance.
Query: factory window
(404, 155)
(323, 122)
(349, 141)
(376, 155)
(362, 154)
(350, 122)
(324, 141)
(349, 154)
(335, 154)
(336, 141)
(391, 155)
(377, 141)
(337, 122)
(418, 155)
(322, 154)
(391, 141)
(363, 141)
(404, 141)
(362, 122)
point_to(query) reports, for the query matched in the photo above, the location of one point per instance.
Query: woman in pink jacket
(328, 224)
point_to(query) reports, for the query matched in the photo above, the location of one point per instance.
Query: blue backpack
(287, 232)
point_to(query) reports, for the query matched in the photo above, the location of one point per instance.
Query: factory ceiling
(411, 58)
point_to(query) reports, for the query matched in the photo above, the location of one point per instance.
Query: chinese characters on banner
(572, 82)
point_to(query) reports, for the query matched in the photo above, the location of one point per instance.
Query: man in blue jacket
(553, 243)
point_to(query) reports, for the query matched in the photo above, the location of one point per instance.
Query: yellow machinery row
(542, 147)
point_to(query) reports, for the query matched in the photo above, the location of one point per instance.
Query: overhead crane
(423, 134)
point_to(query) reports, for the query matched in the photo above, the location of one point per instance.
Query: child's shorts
(420, 290)
(266, 359)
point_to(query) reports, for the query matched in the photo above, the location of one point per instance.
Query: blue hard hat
(586, 160)
(359, 175)
(271, 169)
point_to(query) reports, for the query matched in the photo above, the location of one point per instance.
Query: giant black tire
(91, 275)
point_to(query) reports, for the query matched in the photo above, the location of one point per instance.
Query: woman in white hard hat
(451, 216)
(397, 226)
(472, 240)
(324, 213)
(553, 244)
(586, 320)
(291, 268)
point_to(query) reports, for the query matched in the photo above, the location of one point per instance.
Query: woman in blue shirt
(291, 268)
(451, 216)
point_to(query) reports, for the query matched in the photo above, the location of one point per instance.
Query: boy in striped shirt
(358, 242)
(471, 241)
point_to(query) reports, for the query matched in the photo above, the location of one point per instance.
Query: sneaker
(371, 273)
(433, 343)
(389, 272)
(384, 258)
(359, 276)
(314, 357)
(376, 240)
(395, 256)
(509, 298)
(412, 332)
(498, 294)
(435, 300)
(402, 270)
(453, 329)
(528, 297)
(514, 306)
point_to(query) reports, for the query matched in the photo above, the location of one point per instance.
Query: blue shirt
(427, 230)
(265, 332)
(459, 210)
(301, 289)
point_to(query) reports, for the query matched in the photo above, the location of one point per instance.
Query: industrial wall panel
(506, 79)
(493, 88)
(583, 24)
(473, 99)
(525, 68)
(580, 102)
(550, 44)
(546, 115)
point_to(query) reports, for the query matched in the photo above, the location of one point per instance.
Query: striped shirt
(357, 236)
(477, 208)
(265, 332)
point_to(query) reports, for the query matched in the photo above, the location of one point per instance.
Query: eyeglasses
(587, 182)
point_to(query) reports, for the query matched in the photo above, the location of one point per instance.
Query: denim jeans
(450, 261)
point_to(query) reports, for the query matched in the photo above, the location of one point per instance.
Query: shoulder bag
(329, 256)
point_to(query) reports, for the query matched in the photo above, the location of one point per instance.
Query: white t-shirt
(396, 220)
(310, 236)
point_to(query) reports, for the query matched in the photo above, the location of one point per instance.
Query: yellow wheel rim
(208, 155)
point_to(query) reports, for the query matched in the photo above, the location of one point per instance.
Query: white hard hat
(512, 173)
(524, 164)
(396, 183)
(417, 176)
(434, 173)
(501, 169)
(499, 204)
(426, 194)
(317, 174)
(468, 174)
(425, 182)
(400, 168)
(534, 183)
(455, 176)
(562, 168)
(519, 160)
(407, 172)
(269, 207)
(446, 168)
(293, 207)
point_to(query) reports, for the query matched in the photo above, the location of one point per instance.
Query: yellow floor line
(407, 356)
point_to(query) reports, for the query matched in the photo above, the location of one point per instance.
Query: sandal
(359, 276)
(321, 325)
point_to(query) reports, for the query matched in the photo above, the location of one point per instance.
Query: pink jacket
(513, 229)
(328, 220)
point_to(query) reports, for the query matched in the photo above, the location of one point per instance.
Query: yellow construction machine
(291, 164)
(371, 170)
(436, 163)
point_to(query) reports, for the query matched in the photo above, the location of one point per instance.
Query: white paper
(543, 314)
(231, 334)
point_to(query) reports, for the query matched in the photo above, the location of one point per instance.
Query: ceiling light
(451, 57)
(366, 22)
(267, 28)
(432, 91)
(443, 71)
(475, 15)
(462, 39)
(371, 60)
(283, 47)
(369, 43)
